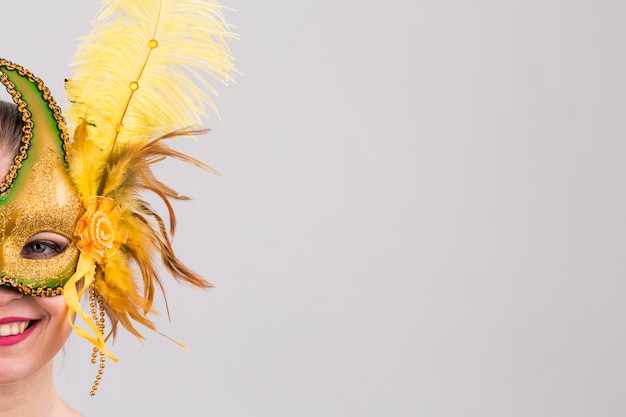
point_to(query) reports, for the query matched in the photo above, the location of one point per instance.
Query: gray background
(420, 213)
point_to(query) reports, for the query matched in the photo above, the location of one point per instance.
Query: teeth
(11, 329)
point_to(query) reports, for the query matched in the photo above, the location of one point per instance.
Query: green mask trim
(44, 124)
(50, 288)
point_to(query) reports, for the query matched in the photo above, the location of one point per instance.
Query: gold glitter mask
(36, 195)
(46, 205)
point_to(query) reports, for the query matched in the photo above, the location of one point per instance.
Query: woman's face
(32, 329)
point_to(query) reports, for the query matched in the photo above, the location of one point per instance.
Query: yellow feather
(143, 75)
(192, 48)
(87, 163)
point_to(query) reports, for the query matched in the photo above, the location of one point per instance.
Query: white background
(420, 213)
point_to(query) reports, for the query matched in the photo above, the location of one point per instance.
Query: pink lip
(12, 340)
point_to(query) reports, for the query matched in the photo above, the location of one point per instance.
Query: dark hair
(10, 128)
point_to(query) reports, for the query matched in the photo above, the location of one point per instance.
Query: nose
(8, 294)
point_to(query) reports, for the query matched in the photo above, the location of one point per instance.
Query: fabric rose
(97, 230)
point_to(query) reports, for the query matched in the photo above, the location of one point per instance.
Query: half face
(37, 254)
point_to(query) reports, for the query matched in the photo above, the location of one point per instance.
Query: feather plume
(128, 174)
(141, 77)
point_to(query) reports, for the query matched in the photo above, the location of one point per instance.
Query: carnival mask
(36, 195)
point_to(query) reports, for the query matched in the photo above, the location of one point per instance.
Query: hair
(11, 125)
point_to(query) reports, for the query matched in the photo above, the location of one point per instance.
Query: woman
(32, 329)
(73, 224)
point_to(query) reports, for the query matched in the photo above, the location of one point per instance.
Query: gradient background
(420, 213)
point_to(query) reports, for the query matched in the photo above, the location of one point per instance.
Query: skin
(26, 368)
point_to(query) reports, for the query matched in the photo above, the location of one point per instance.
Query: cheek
(54, 306)
(56, 310)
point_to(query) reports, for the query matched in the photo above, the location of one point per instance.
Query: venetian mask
(36, 195)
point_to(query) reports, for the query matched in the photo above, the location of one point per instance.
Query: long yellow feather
(190, 38)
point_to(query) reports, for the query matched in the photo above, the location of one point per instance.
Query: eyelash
(29, 252)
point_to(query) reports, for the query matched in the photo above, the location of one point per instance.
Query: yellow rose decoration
(97, 230)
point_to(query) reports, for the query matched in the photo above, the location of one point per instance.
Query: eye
(44, 245)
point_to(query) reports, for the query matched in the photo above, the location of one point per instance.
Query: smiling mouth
(15, 328)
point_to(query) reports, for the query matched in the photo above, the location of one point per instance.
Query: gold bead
(119, 127)
(153, 43)
(133, 86)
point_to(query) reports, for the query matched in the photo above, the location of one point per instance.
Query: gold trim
(35, 292)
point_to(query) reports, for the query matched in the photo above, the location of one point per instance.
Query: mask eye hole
(44, 245)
